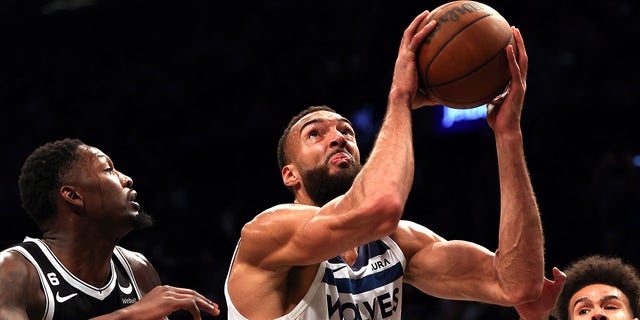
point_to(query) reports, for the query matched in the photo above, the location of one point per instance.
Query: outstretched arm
(294, 235)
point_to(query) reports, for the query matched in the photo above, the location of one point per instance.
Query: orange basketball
(463, 63)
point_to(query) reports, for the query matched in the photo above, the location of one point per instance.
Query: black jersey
(69, 298)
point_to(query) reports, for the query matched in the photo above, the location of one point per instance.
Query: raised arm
(519, 259)
(463, 270)
(296, 234)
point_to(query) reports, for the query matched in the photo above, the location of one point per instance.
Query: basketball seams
(480, 66)
(465, 65)
(444, 45)
(488, 96)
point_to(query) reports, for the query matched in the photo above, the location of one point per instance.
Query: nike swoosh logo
(336, 269)
(126, 290)
(65, 298)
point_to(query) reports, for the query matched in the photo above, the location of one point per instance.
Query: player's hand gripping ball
(462, 63)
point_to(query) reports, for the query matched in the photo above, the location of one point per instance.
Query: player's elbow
(387, 211)
(524, 292)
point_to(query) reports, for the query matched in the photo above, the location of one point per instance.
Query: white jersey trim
(95, 292)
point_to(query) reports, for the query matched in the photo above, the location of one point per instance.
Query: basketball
(463, 64)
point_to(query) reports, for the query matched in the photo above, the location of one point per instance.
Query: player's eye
(347, 132)
(583, 311)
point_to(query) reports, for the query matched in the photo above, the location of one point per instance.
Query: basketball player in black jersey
(77, 270)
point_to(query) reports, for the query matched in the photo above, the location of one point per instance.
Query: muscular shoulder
(136, 259)
(412, 237)
(280, 235)
(286, 211)
(19, 286)
(146, 275)
(15, 270)
(278, 219)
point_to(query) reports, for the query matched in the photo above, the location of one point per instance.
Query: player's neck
(90, 265)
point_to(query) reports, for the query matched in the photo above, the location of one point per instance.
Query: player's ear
(71, 195)
(289, 175)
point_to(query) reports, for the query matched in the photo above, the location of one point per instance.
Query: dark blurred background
(189, 98)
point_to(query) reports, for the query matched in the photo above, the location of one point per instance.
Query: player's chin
(142, 220)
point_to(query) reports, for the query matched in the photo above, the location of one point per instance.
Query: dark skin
(95, 208)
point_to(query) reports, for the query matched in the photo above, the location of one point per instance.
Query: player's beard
(142, 220)
(323, 187)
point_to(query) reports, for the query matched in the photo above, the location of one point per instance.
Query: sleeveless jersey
(69, 298)
(370, 289)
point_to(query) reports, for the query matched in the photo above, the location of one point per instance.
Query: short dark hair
(602, 269)
(282, 152)
(283, 159)
(41, 175)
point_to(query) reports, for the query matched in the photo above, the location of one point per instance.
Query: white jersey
(370, 289)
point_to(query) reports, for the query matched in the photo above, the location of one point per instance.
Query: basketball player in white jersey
(341, 250)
